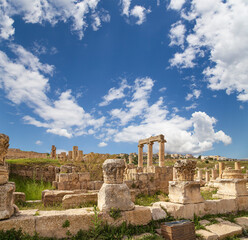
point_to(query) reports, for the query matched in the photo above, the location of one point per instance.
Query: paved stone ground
(223, 229)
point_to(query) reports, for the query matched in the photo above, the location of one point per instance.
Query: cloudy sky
(102, 74)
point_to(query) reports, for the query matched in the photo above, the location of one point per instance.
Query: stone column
(221, 168)
(214, 174)
(216, 166)
(161, 153)
(199, 174)
(53, 152)
(174, 174)
(114, 194)
(6, 188)
(70, 155)
(140, 155)
(207, 176)
(237, 166)
(74, 152)
(149, 154)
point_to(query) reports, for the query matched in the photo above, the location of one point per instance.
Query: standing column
(140, 155)
(221, 168)
(207, 177)
(214, 174)
(149, 154)
(237, 166)
(199, 175)
(161, 154)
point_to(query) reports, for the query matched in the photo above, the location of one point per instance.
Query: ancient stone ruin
(74, 155)
(53, 152)
(6, 188)
(185, 190)
(114, 194)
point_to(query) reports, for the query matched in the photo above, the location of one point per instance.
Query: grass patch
(32, 188)
(208, 195)
(34, 161)
(148, 200)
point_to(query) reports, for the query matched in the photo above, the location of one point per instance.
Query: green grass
(148, 200)
(208, 195)
(34, 161)
(32, 188)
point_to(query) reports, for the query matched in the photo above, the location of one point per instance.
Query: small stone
(158, 213)
(204, 222)
(207, 235)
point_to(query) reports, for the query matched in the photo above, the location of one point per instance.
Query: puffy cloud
(194, 135)
(195, 94)
(138, 104)
(115, 93)
(176, 4)
(218, 29)
(176, 34)
(163, 89)
(40, 11)
(25, 81)
(38, 142)
(102, 144)
(137, 11)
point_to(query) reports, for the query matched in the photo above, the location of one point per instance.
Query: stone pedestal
(232, 174)
(185, 192)
(229, 188)
(6, 200)
(114, 193)
(4, 175)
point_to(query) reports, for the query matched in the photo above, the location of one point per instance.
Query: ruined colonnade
(150, 141)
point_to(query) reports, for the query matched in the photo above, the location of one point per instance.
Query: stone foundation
(6, 200)
(185, 192)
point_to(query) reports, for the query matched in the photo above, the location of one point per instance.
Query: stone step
(224, 229)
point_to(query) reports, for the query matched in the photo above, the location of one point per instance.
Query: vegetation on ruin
(148, 200)
(31, 187)
(34, 161)
(208, 195)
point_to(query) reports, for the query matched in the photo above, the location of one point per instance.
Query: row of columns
(150, 154)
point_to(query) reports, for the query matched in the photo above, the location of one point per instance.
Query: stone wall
(14, 153)
(47, 173)
(148, 180)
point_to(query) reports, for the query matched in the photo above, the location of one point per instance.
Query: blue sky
(104, 74)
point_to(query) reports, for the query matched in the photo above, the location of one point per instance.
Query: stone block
(138, 216)
(26, 223)
(91, 185)
(158, 213)
(206, 235)
(185, 192)
(143, 177)
(75, 200)
(114, 196)
(98, 185)
(63, 177)
(129, 183)
(242, 221)
(85, 176)
(242, 203)
(6, 200)
(225, 229)
(19, 197)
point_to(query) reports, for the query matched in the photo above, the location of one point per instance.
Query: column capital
(141, 145)
(150, 143)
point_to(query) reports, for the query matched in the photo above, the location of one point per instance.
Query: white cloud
(176, 34)
(102, 144)
(38, 142)
(25, 81)
(58, 151)
(115, 93)
(163, 89)
(195, 94)
(184, 135)
(192, 106)
(40, 11)
(176, 4)
(137, 11)
(220, 30)
(138, 104)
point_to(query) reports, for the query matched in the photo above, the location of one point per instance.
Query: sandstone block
(98, 185)
(158, 213)
(225, 229)
(242, 203)
(138, 216)
(185, 192)
(207, 235)
(19, 197)
(75, 200)
(243, 222)
(6, 200)
(115, 196)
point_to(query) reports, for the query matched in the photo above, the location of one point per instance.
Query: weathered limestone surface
(19, 197)
(242, 221)
(185, 192)
(185, 170)
(206, 235)
(49, 223)
(54, 197)
(232, 188)
(158, 213)
(75, 200)
(225, 229)
(114, 193)
(115, 196)
(6, 200)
